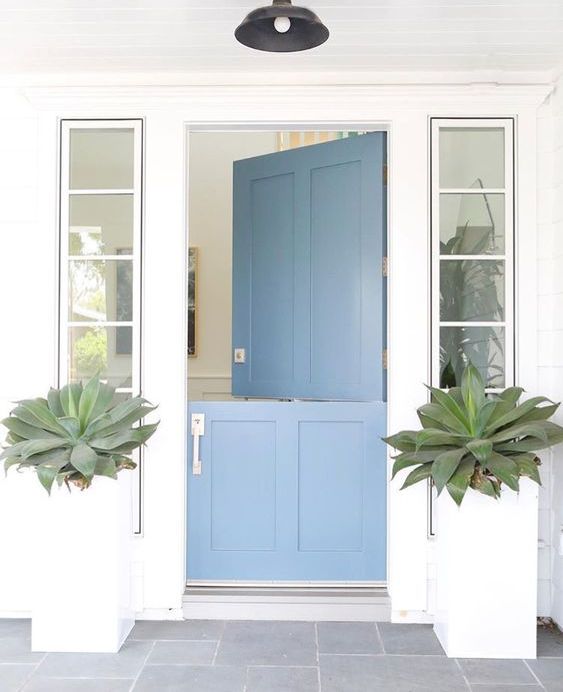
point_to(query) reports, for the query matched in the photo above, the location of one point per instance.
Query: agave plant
(470, 440)
(76, 434)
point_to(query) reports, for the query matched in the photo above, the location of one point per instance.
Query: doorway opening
(286, 369)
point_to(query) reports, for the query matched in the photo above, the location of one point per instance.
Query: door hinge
(385, 267)
(385, 358)
(385, 173)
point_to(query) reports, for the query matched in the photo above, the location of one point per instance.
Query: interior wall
(211, 157)
(550, 309)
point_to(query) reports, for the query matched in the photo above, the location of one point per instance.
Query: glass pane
(100, 290)
(100, 224)
(101, 159)
(471, 224)
(483, 346)
(472, 290)
(103, 350)
(471, 157)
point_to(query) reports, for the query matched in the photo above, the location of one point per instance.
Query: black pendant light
(282, 28)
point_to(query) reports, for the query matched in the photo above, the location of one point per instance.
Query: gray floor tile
(18, 650)
(12, 627)
(125, 664)
(278, 679)
(186, 652)
(13, 677)
(355, 673)
(77, 685)
(550, 642)
(496, 671)
(506, 688)
(185, 629)
(348, 638)
(549, 672)
(409, 639)
(268, 643)
(436, 673)
(196, 678)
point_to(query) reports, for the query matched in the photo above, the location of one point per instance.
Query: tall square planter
(487, 574)
(82, 593)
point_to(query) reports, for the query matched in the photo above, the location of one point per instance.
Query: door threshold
(306, 603)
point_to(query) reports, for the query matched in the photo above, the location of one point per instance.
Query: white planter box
(82, 592)
(486, 560)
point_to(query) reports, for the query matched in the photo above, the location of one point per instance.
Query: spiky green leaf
(481, 449)
(444, 467)
(459, 482)
(418, 474)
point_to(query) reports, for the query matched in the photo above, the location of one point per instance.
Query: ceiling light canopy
(282, 28)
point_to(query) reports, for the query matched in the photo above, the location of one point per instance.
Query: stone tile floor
(209, 656)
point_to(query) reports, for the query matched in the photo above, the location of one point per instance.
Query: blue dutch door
(294, 488)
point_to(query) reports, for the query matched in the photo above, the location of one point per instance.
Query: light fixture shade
(258, 31)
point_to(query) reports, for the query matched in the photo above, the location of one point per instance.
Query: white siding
(550, 308)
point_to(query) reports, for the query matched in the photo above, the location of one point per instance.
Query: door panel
(271, 336)
(244, 456)
(331, 482)
(309, 235)
(289, 491)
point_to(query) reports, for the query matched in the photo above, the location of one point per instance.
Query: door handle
(198, 429)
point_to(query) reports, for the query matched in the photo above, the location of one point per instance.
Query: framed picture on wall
(192, 301)
(124, 303)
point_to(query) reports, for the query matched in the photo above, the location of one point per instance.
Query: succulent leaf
(76, 434)
(444, 467)
(473, 440)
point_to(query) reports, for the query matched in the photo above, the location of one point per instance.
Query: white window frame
(507, 124)
(66, 126)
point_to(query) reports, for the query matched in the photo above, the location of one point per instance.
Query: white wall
(28, 192)
(211, 156)
(550, 309)
(28, 318)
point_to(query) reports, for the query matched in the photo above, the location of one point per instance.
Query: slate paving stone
(184, 652)
(349, 638)
(344, 673)
(496, 671)
(268, 643)
(183, 629)
(77, 685)
(278, 679)
(506, 688)
(125, 664)
(188, 678)
(549, 672)
(436, 673)
(409, 639)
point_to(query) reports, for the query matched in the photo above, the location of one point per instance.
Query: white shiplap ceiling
(180, 36)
